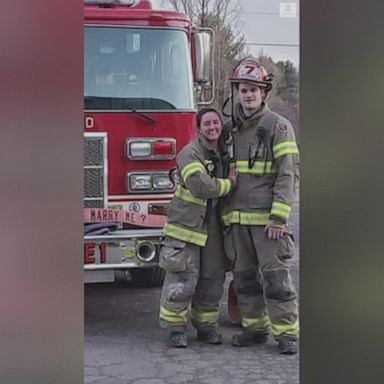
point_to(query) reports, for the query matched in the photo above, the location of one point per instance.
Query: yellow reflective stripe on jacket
(173, 317)
(224, 186)
(186, 195)
(204, 318)
(281, 210)
(245, 218)
(187, 235)
(256, 323)
(288, 329)
(191, 169)
(259, 167)
(231, 218)
(285, 148)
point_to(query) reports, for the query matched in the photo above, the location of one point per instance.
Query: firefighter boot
(211, 337)
(287, 345)
(246, 338)
(178, 339)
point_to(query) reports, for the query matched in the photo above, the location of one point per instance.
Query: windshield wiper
(141, 114)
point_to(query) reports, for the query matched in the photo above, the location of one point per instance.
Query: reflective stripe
(173, 317)
(186, 195)
(285, 148)
(281, 210)
(256, 323)
(245, 218)
(231, 218)
(205, 318)
(288, 329)
(187, 235)
(258, 168)
(224, 186)
(192, 168)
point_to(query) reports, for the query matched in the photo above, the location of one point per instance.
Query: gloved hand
(233, 175)
(174, 176)
(275, 230)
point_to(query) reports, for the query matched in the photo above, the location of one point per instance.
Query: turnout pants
(194, 278)
(269, 302)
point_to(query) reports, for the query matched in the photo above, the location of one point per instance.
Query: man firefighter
(263, 149)
(193, 256)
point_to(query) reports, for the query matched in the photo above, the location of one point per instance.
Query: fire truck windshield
(137, 68)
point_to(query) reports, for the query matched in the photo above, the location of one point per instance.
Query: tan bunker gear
(265, 154)
(193, 255)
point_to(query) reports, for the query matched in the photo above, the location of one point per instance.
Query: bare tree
(223, 17)
(284, 96)
(184, 6)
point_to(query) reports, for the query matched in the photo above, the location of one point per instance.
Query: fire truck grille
(92, 204)
(93, 151)
(94, 170)
(94, 186)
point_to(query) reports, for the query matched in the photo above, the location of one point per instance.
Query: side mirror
(204, 64)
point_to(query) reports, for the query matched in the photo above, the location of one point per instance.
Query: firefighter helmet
(251, 71)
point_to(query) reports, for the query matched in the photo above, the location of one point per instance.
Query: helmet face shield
(251, 71)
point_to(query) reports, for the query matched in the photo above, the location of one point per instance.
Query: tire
(148, 277)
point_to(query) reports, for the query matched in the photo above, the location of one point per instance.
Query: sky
(262, 25)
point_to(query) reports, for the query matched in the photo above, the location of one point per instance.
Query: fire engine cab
(145, 71)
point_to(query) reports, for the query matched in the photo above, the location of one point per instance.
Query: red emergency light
(163, 148)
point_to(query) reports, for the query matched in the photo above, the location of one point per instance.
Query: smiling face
(250, 97)
(210, 126)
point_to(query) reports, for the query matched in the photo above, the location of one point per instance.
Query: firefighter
(263, 149)
(193, 255)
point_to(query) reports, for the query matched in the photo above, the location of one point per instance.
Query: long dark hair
(203, 111)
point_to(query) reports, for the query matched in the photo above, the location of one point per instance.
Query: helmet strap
(224, 105)
(232, 108)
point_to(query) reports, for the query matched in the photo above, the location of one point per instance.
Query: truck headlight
(162, 181)
(150, 148)
(139, 149)
(149, 182)
(140, 182)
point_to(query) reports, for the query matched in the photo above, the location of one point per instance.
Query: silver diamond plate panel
(94, 171)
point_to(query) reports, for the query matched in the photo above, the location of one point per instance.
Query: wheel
(233, 309)
(149, 277)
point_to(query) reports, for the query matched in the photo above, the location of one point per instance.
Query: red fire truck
(145, 71)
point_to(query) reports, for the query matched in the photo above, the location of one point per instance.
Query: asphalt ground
(124, 345)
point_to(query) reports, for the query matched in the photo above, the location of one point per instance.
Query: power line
(260, 13)
(274, 44)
